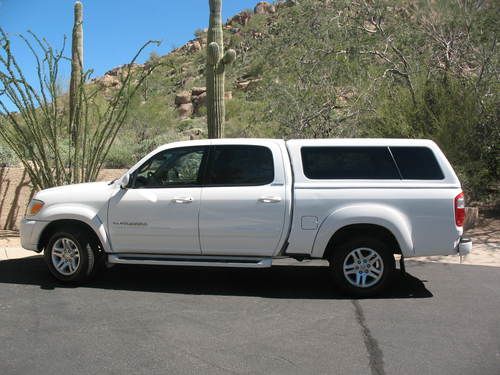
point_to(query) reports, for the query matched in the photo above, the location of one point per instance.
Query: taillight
(460, 210)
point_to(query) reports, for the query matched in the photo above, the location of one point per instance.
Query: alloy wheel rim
(363, 267)
(65, 256)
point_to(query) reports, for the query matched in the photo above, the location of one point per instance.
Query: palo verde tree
(60, 138)
(217, 61)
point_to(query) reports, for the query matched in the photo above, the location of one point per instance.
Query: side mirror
(125, 181)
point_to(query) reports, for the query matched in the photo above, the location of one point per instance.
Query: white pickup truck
(245, 202)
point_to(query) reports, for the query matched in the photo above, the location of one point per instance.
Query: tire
(70, 255)
(362, 267)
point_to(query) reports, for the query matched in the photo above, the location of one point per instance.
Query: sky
(113, 29)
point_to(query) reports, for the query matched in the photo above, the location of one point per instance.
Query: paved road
(441, 319)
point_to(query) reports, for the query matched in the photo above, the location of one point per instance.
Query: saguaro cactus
(76, 76)
(217, 61)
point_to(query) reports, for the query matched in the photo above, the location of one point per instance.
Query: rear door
(243, 200)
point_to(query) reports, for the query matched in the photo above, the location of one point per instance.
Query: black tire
(345, 253)
(87, 248)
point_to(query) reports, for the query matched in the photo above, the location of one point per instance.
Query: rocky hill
(324, 68)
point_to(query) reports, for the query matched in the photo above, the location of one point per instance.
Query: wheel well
(66, 223)
(366, 230)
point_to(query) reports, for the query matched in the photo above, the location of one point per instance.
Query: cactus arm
(229, 57)
(213, 54)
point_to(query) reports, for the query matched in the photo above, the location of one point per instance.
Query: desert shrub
(7, 157)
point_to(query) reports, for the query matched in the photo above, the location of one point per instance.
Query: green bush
(120, 156)
(7, 157)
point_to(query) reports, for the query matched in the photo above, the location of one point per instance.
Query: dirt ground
(485, 246)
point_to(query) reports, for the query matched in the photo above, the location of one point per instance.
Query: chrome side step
(190, 260)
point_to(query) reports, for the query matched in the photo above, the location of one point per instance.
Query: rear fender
(389, 218)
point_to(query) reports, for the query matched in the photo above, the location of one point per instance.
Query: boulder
(199, 101)
(183, 97)
(195, 91)
(110, 81)
(241, 18)
(264, 7)
(194, 46)
(185, 110)
(235, 30)
(194, 133)
(243, 84)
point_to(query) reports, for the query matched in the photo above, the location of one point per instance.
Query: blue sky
(113, 30)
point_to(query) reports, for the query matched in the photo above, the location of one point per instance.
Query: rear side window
(348, 163)
(240, 166)
(417, 163)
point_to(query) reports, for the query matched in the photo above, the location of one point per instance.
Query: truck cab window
(240, 166)
(171, 168)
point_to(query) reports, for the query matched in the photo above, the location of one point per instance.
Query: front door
(243, 201)
(158, 213)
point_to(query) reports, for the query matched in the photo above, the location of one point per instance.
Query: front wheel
(69, 255)
(362, 267)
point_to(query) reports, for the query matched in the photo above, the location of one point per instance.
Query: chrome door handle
(182, 200)
(270, 199)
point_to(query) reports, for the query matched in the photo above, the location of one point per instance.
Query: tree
(62, 140)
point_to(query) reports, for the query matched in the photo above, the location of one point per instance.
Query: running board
(189, 260)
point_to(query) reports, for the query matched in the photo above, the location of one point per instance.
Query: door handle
(182, 200)
(270, 199)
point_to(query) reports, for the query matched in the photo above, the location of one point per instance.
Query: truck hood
(81, 193)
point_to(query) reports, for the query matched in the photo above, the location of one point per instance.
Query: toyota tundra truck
(247, 202)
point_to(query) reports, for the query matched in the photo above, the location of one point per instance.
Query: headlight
(34, 207)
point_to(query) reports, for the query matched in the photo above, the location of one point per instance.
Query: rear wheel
(362, 267)
(70, 255)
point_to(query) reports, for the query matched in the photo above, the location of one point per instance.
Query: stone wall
(16, 192)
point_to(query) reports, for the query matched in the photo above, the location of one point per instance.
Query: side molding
(81, 213)
(376, 214)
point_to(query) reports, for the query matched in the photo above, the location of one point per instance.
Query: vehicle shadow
(292, 282)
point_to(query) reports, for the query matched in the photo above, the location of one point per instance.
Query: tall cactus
(76, 77)
(217, 61)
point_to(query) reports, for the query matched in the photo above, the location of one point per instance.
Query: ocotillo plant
(216, 66)
(76, 77)
(55, 148)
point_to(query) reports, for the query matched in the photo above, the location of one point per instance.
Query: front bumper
(464, 246)
(29, 232)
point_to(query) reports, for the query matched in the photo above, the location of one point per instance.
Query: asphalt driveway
(440, 319)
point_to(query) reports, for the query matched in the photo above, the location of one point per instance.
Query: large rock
(243, 84)
(195, 133)
(195, 91)
(193, 46)
(183, 97)
(241, 18)
(264, 7)
(109, 81)
(199, 101)
(185, 110)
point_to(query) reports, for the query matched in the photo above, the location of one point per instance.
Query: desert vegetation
(321, 68)
(62, 138)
